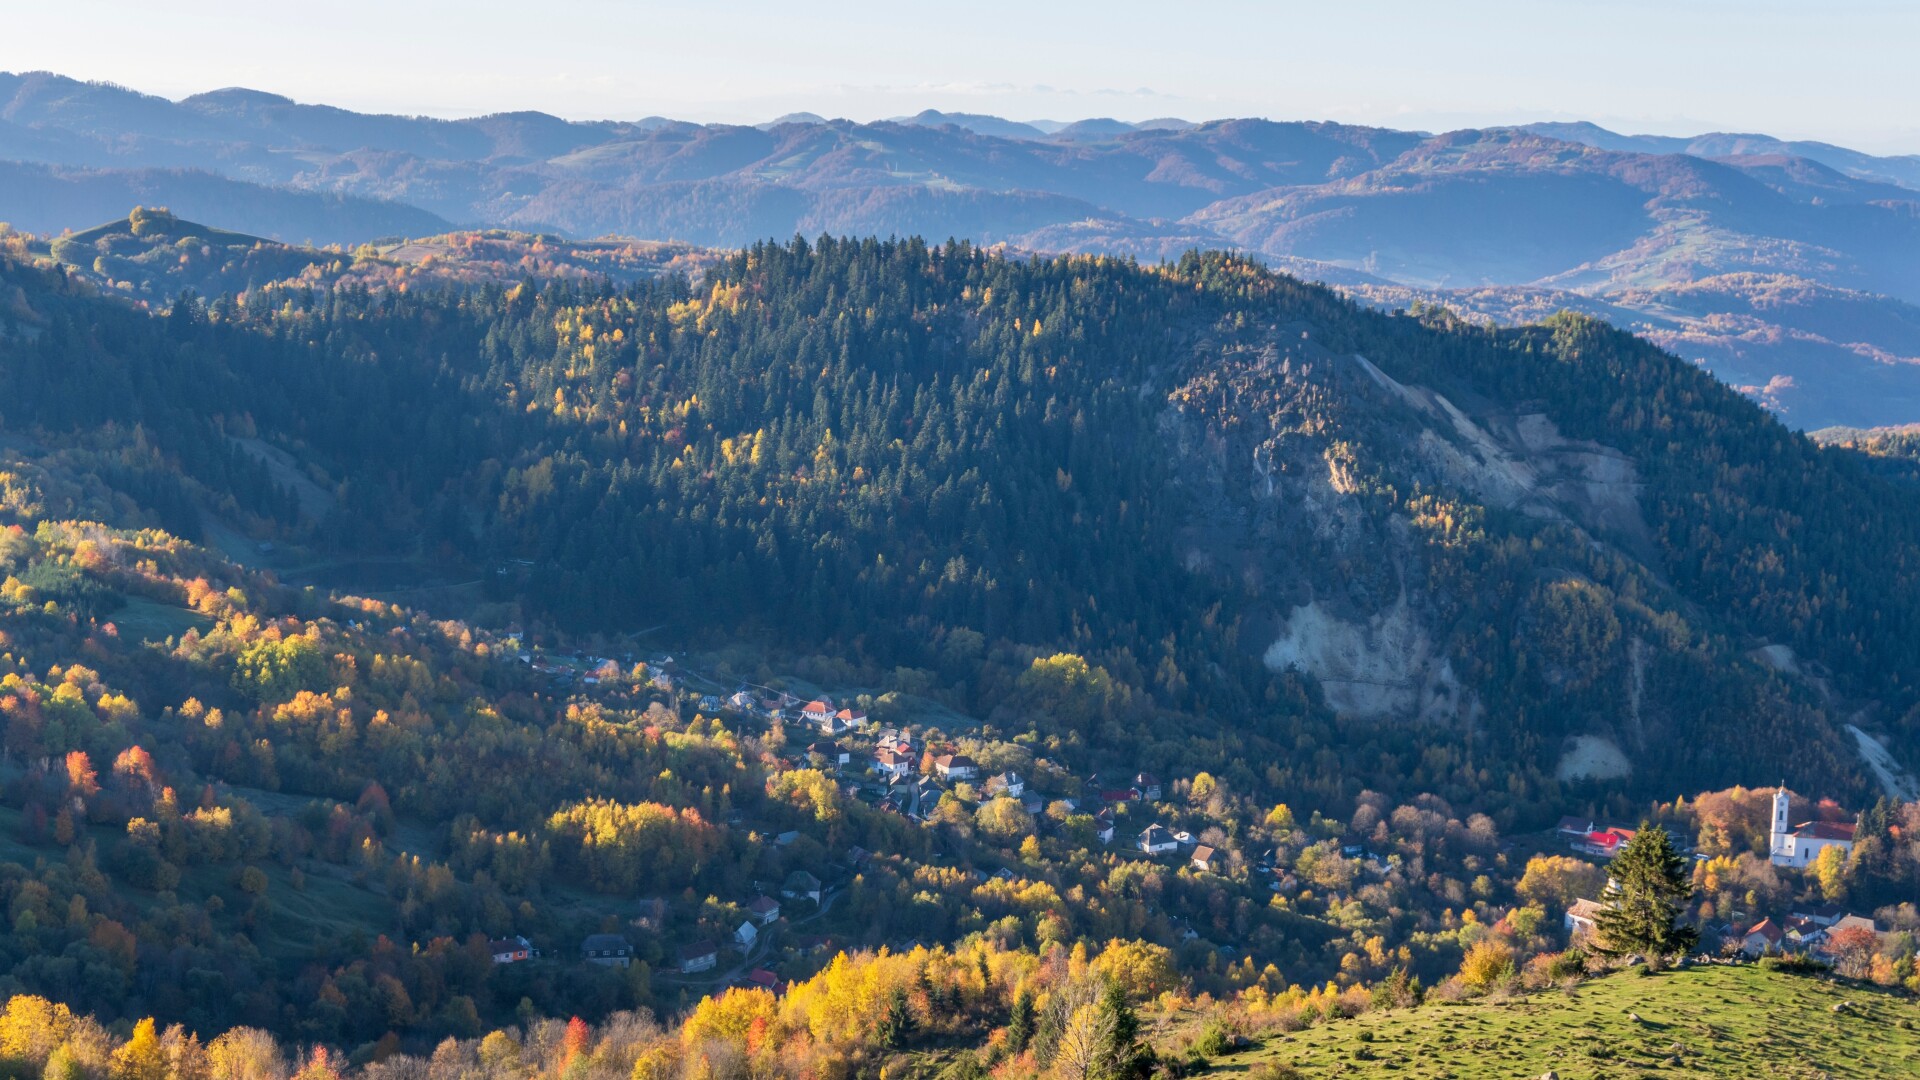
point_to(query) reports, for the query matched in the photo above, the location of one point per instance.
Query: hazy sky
(1841, 70)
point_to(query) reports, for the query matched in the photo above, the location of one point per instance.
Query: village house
(650, 913)
(607, 950)
(1007, 783)
(1854, 922)
(745, 935)
(763, 979)
(817, 712)
(893, 765)
(1582, 916)
(710, 703)
(1204, 858)
(1147, 786)
(1156, 840)
(801, 885)
(848, 719)
(743, 701)
(1103, 826)
(1801, 845)
(955, 767)
(831, 752)
(764, 909)
(1572, 830)
(700, 956)
(1821, 915)
(1607, 842)
(1761, 937)
(510, 950)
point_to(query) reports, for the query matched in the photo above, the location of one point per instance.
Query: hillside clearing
(1701, 1021)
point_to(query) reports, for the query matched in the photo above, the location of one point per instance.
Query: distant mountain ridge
(1546, 209)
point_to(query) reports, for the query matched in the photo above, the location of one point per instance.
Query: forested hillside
(1232, 646)
(879, 450)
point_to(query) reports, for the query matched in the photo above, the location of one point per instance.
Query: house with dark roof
(955, 767)
(1103, 826)
(801, 885)
(829, 751)
(1157, 840)
(764, 909)
(699, 956)
(607, 950)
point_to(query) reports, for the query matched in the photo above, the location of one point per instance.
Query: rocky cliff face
(1448, 558)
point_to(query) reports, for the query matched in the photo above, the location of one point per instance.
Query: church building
(1801, 845)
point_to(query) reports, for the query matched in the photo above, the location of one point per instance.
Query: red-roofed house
(764, 979)
(1607, 842)
(1760, 937)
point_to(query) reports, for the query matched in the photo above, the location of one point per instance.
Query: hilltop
(154, 256)
(1619, 224)
(1706, 1021)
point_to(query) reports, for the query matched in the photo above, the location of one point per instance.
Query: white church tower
(1781, 850)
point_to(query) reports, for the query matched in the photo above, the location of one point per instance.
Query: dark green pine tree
(1020, 1022)
(1124, 1056)
(1647, 890)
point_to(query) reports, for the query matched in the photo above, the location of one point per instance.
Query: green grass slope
(1699, 1022)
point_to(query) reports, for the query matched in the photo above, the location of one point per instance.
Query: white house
(764, 909)
(955, 767)
(1801, 845)
(746, 934)
(1156, 840)
(1007, 783)
(701, 956)
(892, 764)
(1582, 915)
(817, 711)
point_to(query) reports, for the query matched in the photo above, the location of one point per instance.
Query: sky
(1839, 70)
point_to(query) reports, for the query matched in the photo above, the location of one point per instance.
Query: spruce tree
(1124, 1056)
(1643, 900)
(1020, 1022)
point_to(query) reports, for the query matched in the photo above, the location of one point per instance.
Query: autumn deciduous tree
(1487, 964)
(1558, 880)
(141, 1057)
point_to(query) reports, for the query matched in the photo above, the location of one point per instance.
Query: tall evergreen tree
(1643, 900)
(1124, 1056)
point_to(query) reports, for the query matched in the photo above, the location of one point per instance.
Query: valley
(948, 597)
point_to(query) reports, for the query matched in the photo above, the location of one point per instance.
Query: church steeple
(1781, 842)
